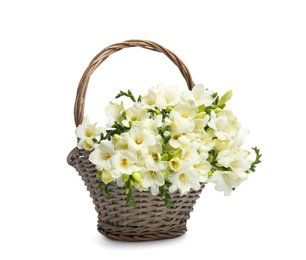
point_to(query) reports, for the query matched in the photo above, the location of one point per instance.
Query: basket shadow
(113, 244)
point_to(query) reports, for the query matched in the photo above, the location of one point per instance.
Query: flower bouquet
(164, 148)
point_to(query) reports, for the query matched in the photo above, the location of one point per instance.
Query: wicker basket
(150, 220)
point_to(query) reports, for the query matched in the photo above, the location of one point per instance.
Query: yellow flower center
(176, 137)
(153, 174)
(175, 164)
(155, 157)
(89, 134)
(124, 162)
(139, 141)
(106, 156)
(185, 115)
(183, 177)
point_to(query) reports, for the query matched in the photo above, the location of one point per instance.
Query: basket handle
(105, 53)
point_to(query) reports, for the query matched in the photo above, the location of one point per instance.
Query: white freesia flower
(175, 164)
(186, 95)
(87, 144)
(139, 138)
(227, 129)
(185, 109)
(139, 187)
(102, 155)
(202, 96)
(87, 131)
(121, 145)
(225, 181)
(177, 128)
(170, 94)
(152, 124)
(107, 176)
(153, 177)
(237, 141)
(191, 156)
(151, 100)
(154, 155)
(204, 167)
(187, 142)
(136, 113)
(123, 163)
(236, 160)
(219, 124)
(185, 179)
(199, 125)
(113, 110)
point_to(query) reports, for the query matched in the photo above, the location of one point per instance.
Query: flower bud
(117, 138)
(201, 108)
(157, 111)
(137, 177)
(177, 153)
(88, 144)
(125, 177)
(169, 109)
(217, 110)
(107, 176)
(132, 182)
(124, 114)
(226, 97)
(131, 123)
(200, 115)
(164, 157)
(165, 173)
(210, 173)
(170, 155)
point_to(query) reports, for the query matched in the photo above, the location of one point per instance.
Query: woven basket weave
(150, 220)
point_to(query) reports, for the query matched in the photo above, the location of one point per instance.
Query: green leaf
(216, 101)
(99, 174)
(168, 201)
(130, 201)
(214, 95)
(129, 94)
(101, 185)
(213, 154)
(257, 161)
(166, 196)
(95, 141)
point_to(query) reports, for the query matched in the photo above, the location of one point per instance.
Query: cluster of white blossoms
(169, 141)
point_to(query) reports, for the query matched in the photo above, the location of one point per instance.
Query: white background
(256, 48)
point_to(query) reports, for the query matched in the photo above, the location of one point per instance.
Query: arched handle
(105, 53)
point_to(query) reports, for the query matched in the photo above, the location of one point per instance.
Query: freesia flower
(87, 131)
(175, 164)
(138, 138)
(170, 95)
(154, 155)
(202, 96)
(151, 100)
(113, 110)
(153, 177)
(236, 160)
(137, 113)
(225, 181)
(204, 167)
(107, 176)
(102, 155)
(185, 109)
(123, 163)
(185, 179)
